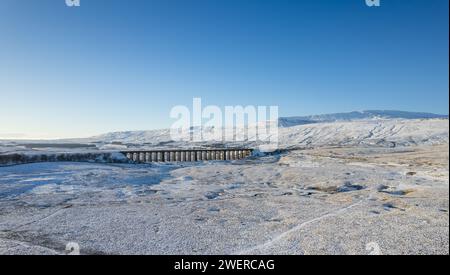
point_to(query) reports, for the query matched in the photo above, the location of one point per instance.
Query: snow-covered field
(343, 187)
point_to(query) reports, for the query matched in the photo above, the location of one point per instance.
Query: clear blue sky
(123, 64)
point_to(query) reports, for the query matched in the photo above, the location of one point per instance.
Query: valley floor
(341, 200)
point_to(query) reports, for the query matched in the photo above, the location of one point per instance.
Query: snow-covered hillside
(384, 132)
(383, 128)
(390, 132)
(353, 116)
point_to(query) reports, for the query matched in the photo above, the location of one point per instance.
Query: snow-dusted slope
(384, 128)
(136, 137)
(353, 116)
(390, 132)
(384, 132)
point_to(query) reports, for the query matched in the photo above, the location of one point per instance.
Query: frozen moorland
(375, 185)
